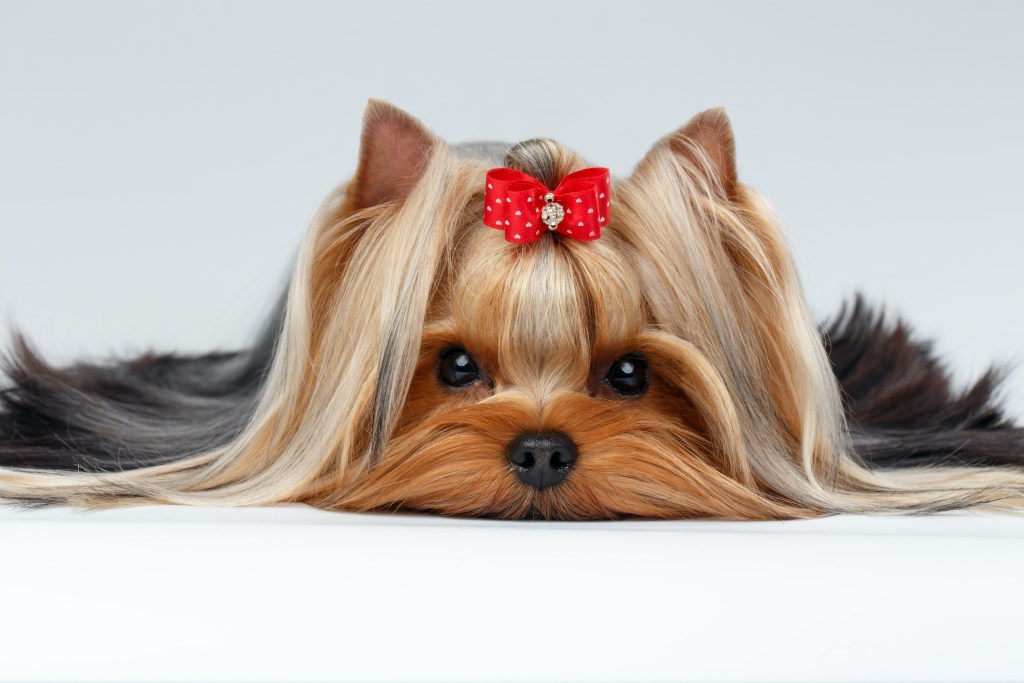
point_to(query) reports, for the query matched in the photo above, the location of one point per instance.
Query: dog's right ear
(393, 152)
(707, 146)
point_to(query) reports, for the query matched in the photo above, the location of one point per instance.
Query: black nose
(542, 460)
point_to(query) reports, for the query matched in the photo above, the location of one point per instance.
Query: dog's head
(668, 369)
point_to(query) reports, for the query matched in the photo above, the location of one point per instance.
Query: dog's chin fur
(748, 412)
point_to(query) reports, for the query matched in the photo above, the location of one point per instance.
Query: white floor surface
(296, 594)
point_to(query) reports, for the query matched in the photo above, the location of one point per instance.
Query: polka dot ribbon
(524, 208)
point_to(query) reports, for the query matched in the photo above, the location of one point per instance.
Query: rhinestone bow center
(552, 214)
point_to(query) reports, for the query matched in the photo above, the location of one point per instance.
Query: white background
(160, 161)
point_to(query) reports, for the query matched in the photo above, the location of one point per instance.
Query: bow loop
(524, 208)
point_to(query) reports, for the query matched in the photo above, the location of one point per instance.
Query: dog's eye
(458, 368)
(628, 374)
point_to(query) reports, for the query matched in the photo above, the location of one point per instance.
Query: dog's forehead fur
(553, 309)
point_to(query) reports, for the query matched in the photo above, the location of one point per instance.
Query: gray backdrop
(159, 161)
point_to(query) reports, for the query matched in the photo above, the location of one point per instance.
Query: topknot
(544, 159)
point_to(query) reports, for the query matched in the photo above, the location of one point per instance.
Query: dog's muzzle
(542, 460)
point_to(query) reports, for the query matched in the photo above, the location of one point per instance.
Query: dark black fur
(902, 408)
(128, 414)
(154, 409)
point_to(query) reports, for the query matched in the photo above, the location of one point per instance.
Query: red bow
(524, 208)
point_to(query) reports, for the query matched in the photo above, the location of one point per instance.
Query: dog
(436, 351)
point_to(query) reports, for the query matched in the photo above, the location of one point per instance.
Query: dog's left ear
(393, 152)
(706, 142)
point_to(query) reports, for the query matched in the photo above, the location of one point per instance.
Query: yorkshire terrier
(504, 331)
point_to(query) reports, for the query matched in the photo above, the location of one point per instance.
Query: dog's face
(654, 372)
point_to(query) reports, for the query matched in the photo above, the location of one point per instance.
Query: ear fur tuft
(709, 135)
